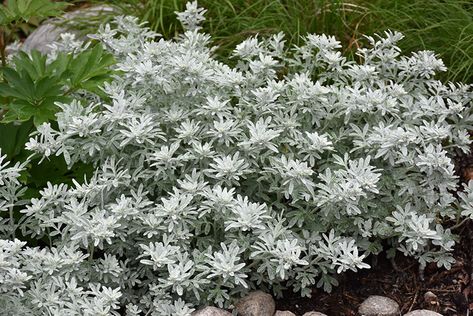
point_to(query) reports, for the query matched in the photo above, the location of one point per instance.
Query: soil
(448, 292)
(451, 290)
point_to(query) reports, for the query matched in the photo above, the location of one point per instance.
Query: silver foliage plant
(281, 172)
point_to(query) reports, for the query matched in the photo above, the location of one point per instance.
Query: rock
(314, 314)
(284, 313)
(431, 301)
(430, 298)
(211, 311)
(422, 312)
(379, 306)
(41, 38)
(256, 303)
(50, 31)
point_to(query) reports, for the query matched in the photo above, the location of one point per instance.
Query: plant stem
(12, 221)
(3, 46)
(91, 250)
(49, 237)
(459, 224)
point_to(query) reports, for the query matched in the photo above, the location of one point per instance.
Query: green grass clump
(231, 21)
(443, 26)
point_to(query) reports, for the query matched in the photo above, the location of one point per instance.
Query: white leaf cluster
(210, 180)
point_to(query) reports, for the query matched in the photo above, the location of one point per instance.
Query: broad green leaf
(23, 10)
(13, 137)
(54, 170)
(39, 62)
(11, 75)
(47, 87)
(24, 110)
(11, 4)
(6, 16)
(23, 86)
(59, 66)
(23, 6)
(28, 83)
(93, 64)
(33, 87)
(7, 91)
(46, 8)
(23, 62)
(46, 114)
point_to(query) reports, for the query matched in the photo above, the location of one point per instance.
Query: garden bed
(453, 288)
(212, 180)
(401, 279)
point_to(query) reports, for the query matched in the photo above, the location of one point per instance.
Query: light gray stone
(50, 31)
(314, 314)
(284, 313)
(211, 311)
(431, 300)
(256, 303)
(379, 306)
(430, 296)
(41, 38)
(422, 312)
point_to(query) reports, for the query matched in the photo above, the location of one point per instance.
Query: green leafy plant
(32, 85)
(15, 13)
(30, 89)
(230, 22)
(15, 16)
(443, 26)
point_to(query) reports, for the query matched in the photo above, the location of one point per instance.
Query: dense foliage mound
(283, 171)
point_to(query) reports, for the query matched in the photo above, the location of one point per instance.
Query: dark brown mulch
(453, 288)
